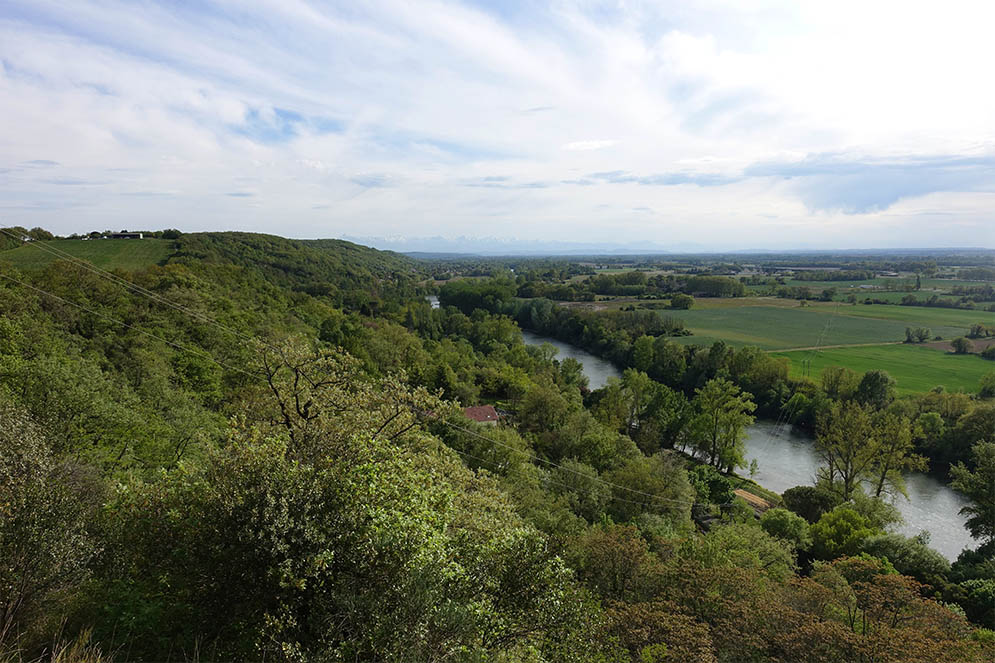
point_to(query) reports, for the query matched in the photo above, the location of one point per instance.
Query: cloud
(587, 145)
(856, 185)
(463, 112)
(373, 180)
(663, 179)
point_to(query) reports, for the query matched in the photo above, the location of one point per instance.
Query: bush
(787, 526)
(987, 389)
(811, 502)
(839, 533)
(962, 346)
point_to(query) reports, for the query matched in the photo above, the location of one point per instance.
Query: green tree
(810, 502)
(681, 301)
(979, 486)
(987, 385)
(840, 532)
(962, 346)
(847, 444)
(719, 428)
(787, 526)
(840, 383)
(876, 389)
(46, 542)
(895, 453)
(642, 353)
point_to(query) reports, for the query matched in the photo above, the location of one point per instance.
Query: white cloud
(586, 145)
(378, 116)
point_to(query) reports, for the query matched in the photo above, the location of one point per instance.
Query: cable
(179, 346)
(539, 459)
(134, 287)
(146, 293)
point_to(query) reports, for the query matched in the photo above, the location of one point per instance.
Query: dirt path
(833, 347)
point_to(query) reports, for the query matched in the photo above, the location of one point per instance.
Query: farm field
(773, 324)
(126, 254)
(915, 368)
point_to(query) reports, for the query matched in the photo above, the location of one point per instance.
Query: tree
(642, 353)
(787, 526)
(987, 386)
(910, 556)
(810, 502)
(655, 484)
(840, 532)
(895, 455)
(979, 486)
(962, 346)
(876, 389)
(847, 444)
(46, 545)
(681, 301)
(724, 413)
(840, 383)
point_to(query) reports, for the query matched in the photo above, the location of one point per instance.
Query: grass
(125, 254)
(781, 324)
(915, 368)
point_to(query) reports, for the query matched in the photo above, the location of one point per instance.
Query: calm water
(787, 459)
(596, 369)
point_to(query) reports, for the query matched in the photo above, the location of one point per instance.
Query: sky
(716, 125)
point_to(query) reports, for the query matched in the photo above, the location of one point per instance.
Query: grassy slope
(916, 368)
(126, 254)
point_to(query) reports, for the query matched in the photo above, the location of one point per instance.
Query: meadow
(783, 324)
(915, 368)
(125, 254)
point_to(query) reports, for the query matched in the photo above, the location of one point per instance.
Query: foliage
(46, 543)
(962, 345)
(811, 502)
(979, 486)
(717, 431)
(840, 532)
(788, 526)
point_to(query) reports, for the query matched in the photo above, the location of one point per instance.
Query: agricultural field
(125, 254)
(773, 324)
(915, 368)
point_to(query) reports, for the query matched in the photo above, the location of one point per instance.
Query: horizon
(791, 126)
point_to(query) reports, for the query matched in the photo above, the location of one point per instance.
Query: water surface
(786, 459)
(596, 369)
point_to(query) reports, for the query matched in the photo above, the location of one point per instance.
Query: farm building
(484, 414)
(125, 235)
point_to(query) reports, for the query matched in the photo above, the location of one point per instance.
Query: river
(786, 459)
(596, 369)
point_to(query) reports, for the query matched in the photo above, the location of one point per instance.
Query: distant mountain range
(428, 247)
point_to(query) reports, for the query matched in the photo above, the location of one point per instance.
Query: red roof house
(485, 414)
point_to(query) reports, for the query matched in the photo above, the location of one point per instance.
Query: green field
(915, 368)
(776, 326)
(126, 254)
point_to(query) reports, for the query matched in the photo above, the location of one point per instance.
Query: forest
(255, 448)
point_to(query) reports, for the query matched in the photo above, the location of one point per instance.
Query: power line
(206, 319)
(137, 289)
(539, 459)
(174, 344)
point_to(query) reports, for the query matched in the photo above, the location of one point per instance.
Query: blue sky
(719, 123)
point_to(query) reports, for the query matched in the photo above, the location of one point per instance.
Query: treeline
(833, 275)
